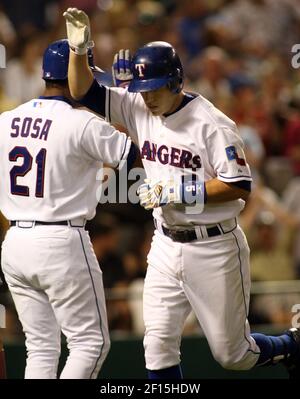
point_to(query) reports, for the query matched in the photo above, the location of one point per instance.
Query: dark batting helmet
(56, 60)
(156, 65)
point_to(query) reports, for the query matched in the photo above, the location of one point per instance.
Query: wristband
(79, 50)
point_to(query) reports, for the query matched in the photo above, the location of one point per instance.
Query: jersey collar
(59, 98)
(186, 99)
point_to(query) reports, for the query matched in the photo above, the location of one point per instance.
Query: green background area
(126, 360)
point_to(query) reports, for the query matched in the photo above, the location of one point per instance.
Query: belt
(191, 234)
(29, 224)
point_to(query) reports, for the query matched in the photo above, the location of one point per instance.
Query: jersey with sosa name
(50, 156)
(196, 140)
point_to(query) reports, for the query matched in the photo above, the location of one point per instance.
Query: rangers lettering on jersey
(172, 156)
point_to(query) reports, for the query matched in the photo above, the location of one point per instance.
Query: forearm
(79, 74)
(153, 195)
(218, 191)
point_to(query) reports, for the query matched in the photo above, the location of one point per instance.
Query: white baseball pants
(56, 284)
(212, 278)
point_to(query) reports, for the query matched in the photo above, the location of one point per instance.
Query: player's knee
(93, 349)
(227, 362)
(230, 361)
(43, 353)
(99, 351)
(161, 352)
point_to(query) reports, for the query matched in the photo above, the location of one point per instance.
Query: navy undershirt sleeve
(95, 98)
(132, 156)
(243, 184)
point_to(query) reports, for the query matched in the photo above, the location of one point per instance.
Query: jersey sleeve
(122, 108)
(102, 142)
(226, 155)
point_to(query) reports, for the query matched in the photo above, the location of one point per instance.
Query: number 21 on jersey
(21, 170)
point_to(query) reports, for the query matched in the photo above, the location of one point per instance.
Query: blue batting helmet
(156, 65)
(56, 60)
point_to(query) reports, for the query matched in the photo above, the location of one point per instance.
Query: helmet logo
(140, 68)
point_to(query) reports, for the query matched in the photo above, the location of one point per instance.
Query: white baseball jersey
(198, 139)
(209, 275)
(50, 156)
(206, 269)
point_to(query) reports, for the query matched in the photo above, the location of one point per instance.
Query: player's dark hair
(54, 83)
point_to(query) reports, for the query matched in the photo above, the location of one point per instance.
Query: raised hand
(78, 30)
(121, 70)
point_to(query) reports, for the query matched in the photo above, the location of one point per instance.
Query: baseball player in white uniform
(199, 258)
(50, 155)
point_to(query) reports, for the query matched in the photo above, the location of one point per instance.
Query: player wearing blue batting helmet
(156, 65)
(56, 61)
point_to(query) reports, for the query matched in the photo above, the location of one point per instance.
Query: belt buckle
(186, 236)
(178, 235)
(181, 236)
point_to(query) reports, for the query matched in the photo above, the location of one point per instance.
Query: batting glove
(121, 70)
(78, 30)
(153, 195)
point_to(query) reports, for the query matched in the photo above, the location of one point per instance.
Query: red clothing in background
(292, 143)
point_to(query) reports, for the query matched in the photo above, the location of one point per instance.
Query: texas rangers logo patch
(232, 155)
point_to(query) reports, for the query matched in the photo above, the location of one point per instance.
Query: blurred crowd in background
(236, 53)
